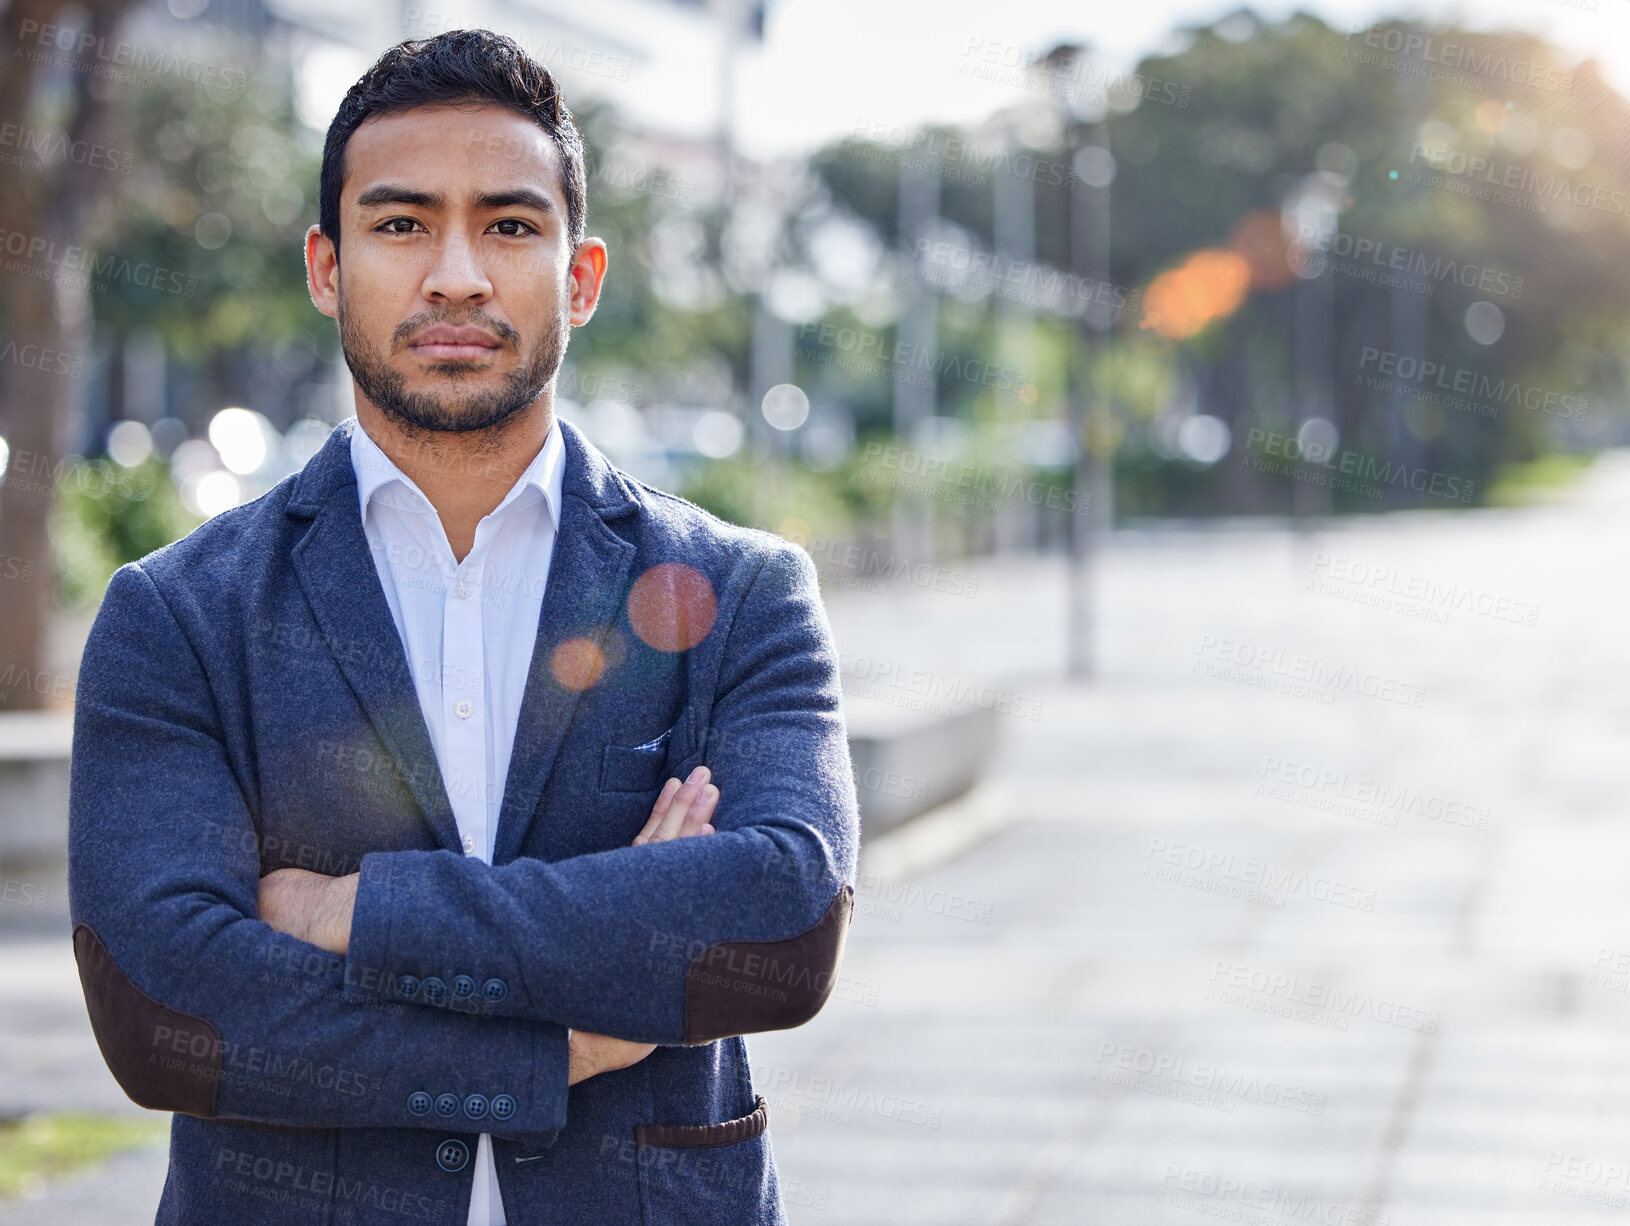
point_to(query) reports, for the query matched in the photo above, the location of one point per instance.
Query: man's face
(459, 288)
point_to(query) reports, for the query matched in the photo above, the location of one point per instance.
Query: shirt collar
(375, 471)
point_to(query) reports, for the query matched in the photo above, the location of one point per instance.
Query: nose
(456, 275)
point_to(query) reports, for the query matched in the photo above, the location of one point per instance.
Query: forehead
(459, 148)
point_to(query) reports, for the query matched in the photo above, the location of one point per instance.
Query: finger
(683, 799)
(664, 799)
(701, 812)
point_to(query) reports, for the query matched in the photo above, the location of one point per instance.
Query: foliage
(106, 515)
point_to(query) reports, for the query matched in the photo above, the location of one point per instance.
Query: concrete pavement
(1309, 909)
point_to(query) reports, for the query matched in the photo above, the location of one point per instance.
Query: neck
(464, 474)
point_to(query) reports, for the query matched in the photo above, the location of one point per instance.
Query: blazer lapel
(337, 572)
(582, 599)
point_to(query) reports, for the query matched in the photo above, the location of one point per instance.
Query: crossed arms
(316, 909)
(202, 1006)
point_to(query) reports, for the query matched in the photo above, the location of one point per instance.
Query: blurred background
(1207, 423)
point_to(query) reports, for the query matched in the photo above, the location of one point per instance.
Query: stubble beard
(442, 412)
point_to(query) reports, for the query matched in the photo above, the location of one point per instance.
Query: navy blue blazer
(244, 704)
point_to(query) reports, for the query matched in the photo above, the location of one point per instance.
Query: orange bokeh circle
(672, 607)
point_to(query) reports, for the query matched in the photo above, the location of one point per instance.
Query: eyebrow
(392, 193)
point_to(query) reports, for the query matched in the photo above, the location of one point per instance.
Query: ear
(588, 272)
(323, 272)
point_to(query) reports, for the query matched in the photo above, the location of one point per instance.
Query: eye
(515, 221)
(384, 226)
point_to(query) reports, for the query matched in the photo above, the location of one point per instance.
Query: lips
(443, 342)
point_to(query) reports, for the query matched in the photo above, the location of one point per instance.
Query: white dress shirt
(468, 629)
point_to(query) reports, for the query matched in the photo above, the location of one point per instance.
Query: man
(375, 877)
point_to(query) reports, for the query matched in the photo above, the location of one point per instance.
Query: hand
(309, 906)
(681, 810)
(588, 1054)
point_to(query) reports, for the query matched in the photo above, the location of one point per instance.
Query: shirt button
(469, 845)
(464, 708)
(462, 590)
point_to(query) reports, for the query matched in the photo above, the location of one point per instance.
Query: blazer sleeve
(685, 941)
(199, 1007)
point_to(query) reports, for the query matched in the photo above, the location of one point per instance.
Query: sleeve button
(407, 985)
(475, 1106)
(495, 990)
(434, 989)
(463, 987)
(503, 1106)
(418, 1103)
(446, 1104)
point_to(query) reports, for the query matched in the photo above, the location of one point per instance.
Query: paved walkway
(1311, 909)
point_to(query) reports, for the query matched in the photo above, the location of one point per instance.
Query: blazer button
(503, 1106)
(452, 1155)
(418, 1103)
(463, 987)
(446, 1104)
(434, 989)
(495, 990)
(475, 1106)
(407, 985)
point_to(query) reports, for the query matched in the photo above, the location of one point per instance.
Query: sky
(830, 65)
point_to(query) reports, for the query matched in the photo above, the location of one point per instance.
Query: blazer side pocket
(642, 768)
(704, 1174)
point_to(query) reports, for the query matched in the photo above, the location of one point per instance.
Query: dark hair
(459, 65)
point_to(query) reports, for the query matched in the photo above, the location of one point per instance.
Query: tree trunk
(48, 323)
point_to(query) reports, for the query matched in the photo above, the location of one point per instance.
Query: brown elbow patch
(705, 1136)
(165, 1060)
(744, 987)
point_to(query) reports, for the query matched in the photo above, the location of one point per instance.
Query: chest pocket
(642, 768)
